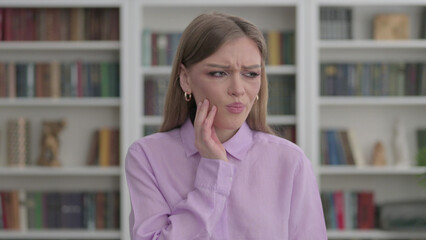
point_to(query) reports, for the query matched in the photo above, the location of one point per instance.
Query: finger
(210, 117)
(201, 113)
(200, 118)
(208, 123)
(214, 136)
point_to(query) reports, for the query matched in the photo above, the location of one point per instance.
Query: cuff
(216, 175)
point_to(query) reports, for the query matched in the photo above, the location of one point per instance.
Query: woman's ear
(184, 79)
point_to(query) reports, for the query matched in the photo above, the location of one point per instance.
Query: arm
(192, 218)
(306, 214)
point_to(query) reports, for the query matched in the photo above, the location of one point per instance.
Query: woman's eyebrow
(227, 66)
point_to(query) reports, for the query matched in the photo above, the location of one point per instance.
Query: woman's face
(230, 79)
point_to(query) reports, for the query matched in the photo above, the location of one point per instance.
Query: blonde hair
(201, 38)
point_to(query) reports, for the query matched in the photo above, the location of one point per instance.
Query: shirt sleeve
(193, 218)
(306, 214)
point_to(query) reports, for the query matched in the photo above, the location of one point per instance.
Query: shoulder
(280, 146)
(155, 141)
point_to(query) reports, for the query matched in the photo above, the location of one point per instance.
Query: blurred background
(81, 80)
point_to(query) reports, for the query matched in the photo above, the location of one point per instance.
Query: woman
(215, 171)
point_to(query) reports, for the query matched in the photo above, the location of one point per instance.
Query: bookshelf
(282, 16)
(372, 117)
(83, 115)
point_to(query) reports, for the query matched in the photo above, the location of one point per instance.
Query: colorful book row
(9, 210)
(335, 23)
(155, 89)
(105, 147)
(55, 79)
(282, 95)
(281, 47)
(340, 147)
(59, 24)
(373, 79)
(348, 210)
(159, 48)
(73, 210)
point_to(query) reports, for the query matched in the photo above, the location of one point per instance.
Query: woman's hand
(206, 140)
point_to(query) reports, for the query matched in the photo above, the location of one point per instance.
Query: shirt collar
(237, 146)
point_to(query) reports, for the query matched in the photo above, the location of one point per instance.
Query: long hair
(201, 38)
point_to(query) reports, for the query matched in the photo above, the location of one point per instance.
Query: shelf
(370, 170)
(60, 45)
(65, 4)
(166, 70)
(369, 2)
(60, 102)
(372, 44)
(372, 101)
(191, 3)
(375, 234)
(94, 171)
(62, 234)
(281, 120)
(281, 70)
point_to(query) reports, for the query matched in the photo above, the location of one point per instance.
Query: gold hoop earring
(257, 97)
(187, 96)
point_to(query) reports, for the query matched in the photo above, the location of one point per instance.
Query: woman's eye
(217, 74)
(251, 74)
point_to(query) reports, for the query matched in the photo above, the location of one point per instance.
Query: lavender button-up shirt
(266, 191)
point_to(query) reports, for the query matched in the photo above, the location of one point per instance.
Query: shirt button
(230, 179)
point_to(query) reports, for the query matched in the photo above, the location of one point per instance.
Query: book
(421, 147)
(18, 142)
(340, 209)
(335, 23)
(59, 24)
(104, 149)
(423, 24)
(373, 79)
(345, 210)
(1, 23)
(274, 48)
(339, 147)
(403, 215)
(366, 210)
(70, 210)
(3, 80)
(100, 200)
(104, 143)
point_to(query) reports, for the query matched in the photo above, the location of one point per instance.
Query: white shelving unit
(269, 15)
(63, 234)
(82, 116)
(375, 234)
(371, 117)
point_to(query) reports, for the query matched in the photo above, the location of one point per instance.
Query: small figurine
(400, 145)
(379, 156)
(50, 143)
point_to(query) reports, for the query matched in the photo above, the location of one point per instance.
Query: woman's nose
(236, 87)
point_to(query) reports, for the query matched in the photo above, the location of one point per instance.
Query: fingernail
(199, 104)
(205, 101)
